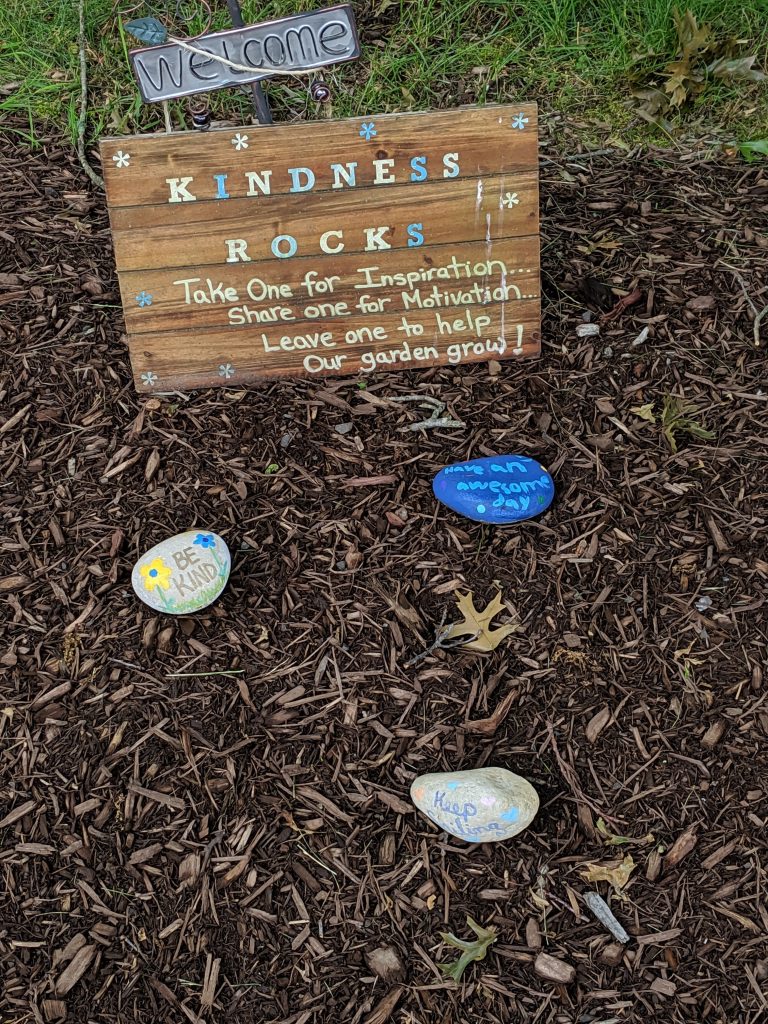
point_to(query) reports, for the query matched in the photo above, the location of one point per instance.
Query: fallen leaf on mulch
(477, 624)
(611, 839)
(473, 949)
(617, 873)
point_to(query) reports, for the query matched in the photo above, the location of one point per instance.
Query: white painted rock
(480, 805)
(182, 574)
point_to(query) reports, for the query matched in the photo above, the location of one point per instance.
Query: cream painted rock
(182, 574)
(480, 805)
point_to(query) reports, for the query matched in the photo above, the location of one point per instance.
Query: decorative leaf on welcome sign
(147, 30)
(616, 872)
(477, 624)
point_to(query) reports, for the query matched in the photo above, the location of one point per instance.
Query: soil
(207, 818)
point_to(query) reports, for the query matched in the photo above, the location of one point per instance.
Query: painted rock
(499, 489)
(480, 805)
(182, 574)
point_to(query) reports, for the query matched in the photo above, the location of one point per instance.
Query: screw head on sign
(201, 118)
(320, 91)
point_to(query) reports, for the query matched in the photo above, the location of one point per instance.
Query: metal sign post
(259, 99)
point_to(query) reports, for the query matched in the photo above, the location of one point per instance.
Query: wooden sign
(383, 243)
(297, 43)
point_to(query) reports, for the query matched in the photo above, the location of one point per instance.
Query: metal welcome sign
(240, 56)
(385, 242)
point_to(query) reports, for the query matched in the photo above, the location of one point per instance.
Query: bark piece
(74, 970)
(551, 969)
(386, 963)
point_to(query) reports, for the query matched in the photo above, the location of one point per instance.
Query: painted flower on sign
(204, 540)
(121, 158)
(226, 370)
(519, 121)
(144, 299)
(149, 378)
(510, 199)
(368, 131)
(156, 574)
(239, 141)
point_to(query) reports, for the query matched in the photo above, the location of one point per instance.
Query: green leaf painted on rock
(147, 30)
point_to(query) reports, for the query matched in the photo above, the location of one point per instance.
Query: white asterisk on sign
(240, 141)
(510, 199)
(121, 159)
(368, 131)
(519, 121)
(149, 378)
(226, 370)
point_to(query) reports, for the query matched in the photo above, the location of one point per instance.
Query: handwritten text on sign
(388, 242)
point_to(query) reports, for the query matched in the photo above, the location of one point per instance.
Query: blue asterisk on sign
(518, 121)
(144, 299)
(368, 131)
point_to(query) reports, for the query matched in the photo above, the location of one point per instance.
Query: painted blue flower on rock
(519, 121)
(368, 131)
(144, 299)
(205, 540)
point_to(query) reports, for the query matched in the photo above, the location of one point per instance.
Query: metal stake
(260, 102)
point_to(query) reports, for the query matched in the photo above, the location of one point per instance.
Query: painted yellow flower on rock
(156, 574)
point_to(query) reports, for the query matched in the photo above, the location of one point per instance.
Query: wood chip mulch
(178, 843)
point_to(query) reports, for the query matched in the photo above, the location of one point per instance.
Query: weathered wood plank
(297, 290)
(449, 212)
(489, 145)
(346, 247)
(177, 360)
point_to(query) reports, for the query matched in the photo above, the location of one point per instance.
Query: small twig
(577, 156)
(435, 419)
(199, 675)
(441, 642)
(82, 116)
(605, 916)
(758, 315)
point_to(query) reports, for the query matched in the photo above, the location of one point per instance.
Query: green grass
(573, 56)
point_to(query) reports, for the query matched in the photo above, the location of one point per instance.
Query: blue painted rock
(499, 489)
(184, 573)
(481, 805)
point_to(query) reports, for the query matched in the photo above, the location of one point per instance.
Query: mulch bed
(235, 847)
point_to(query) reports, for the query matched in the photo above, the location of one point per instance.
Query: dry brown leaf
(477, 624)
(615, 872)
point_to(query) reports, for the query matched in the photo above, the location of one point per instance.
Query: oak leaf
(477, 624)
(617, 873)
